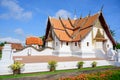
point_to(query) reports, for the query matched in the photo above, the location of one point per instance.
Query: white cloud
(19, 31)
(63, 13)
(14, 10)
(10, 39)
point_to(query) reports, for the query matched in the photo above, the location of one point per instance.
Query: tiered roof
(69, 30)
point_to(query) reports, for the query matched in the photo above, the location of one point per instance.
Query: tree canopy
(112, 32)
(118, 46)
(2, 43)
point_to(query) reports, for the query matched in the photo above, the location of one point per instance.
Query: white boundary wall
(40, 67)
(31, 51)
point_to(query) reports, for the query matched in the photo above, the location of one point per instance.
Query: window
(67, 43)
(79, 44)
(75, 43)
(56, 43)
(87, 43)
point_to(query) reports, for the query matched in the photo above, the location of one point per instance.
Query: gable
(98, 24)
(106, 28)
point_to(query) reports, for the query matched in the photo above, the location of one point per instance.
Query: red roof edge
(47, 29)
(107, 30)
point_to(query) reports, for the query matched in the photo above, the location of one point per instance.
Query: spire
(81, 16)
(101, 8)
(89, 13)
(75, 17)
(59, 18)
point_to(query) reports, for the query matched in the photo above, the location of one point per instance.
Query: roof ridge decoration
(81, 16)
(99, 36)
(64, 27)
(76, 22)
(79, 28)
(101, 8)
(71, 22)
(89, 14)
(75, 16)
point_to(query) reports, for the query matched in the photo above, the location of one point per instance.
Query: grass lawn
(56, 72)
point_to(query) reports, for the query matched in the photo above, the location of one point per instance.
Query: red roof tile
(34, 40)
(17, 46)
(73, 30)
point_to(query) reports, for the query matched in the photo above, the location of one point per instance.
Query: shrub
(16, 67)
(80, 64)
(94, 64)
(52, 65)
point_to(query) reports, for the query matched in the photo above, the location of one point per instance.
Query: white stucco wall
(63, 50)
(49, 44)
(57, 43)
(87, 50)
(40, 67)
(31, 51)
(75, 48)
(88, 39)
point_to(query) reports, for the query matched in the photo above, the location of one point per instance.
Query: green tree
(2, 43)
(43, 38)
(112, 32)
(118, 46)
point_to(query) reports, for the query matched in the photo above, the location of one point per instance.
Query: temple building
(86, 37)
(15, 46)
(35, 42)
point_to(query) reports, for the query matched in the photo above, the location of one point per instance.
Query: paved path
(35, 59)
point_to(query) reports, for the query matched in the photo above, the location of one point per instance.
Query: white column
(7, 54)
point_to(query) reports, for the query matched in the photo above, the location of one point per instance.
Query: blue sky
(22, 18)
